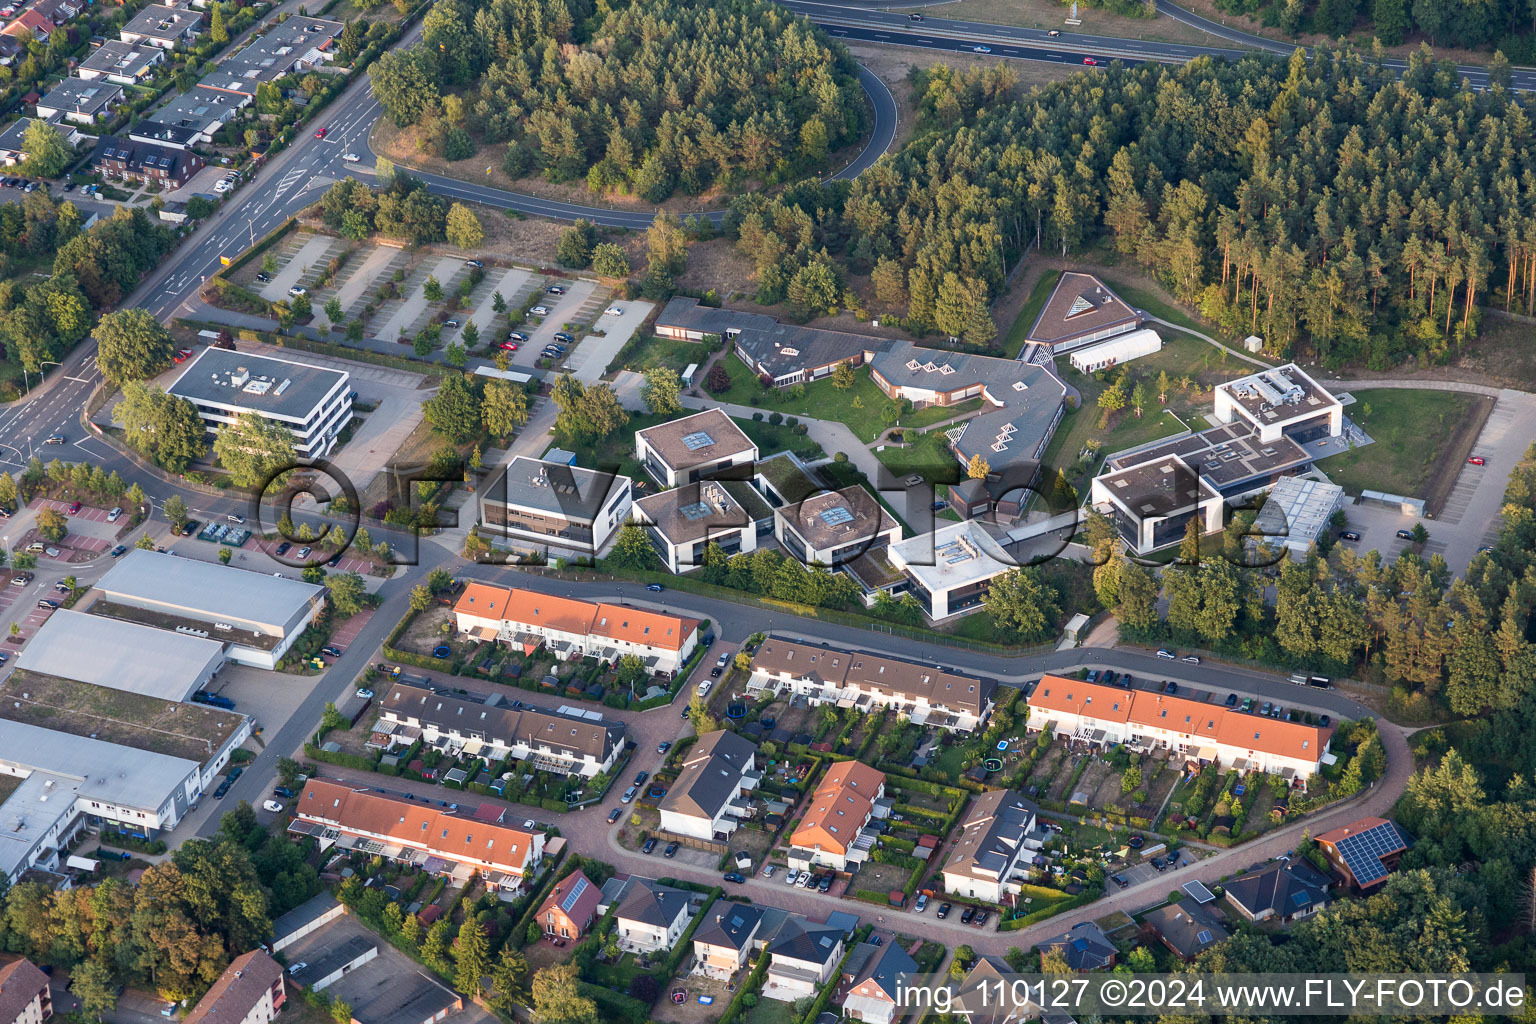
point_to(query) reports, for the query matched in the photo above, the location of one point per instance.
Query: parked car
(1119, 880)
(663, 746)
(965, 918)
(554, 289)
(474, 263)
(284, 792)
(272, 805)
(804, 880)
(74, 508)
(1349, 535)
(650, 844)
(734, 876)
(641, 777)
(629, 794)
(298, 289)
(767, 871)
(540, 311)
(364, 693)
(792, 877)
(264, 277)
(565, 337)
(296, 968)
(282, 549)
(613, 311)
(825, 885)
(517, 336)
(943, 911)
(1325, 721)
(1165, 654)
(304, 551)
(615, 814)
(1477, 460)
(1190, 659)
(1231, 700)
(922, 902)
(981, 918)
(1404, 535)
(331, 650)
(450, 324)
(1265, 709)
(1173, 687)
(509, 346)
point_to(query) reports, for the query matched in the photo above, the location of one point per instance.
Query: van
(1321, 682)
(1299, 678)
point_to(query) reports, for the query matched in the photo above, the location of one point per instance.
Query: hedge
(1082, 899)
(870, 896)
(684, 945)
(827, 991)
(753, 984)
(615, 1006)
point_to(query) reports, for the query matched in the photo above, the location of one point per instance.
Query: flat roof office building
(555, 505)
(312, 401)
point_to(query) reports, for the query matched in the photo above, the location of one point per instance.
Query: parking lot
(300, 260)
(86, 513)
(348, 631)
(589, 360)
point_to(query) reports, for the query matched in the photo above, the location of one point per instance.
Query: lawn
(1411, 430)
(672, 353)
(771, 1011)
(859, 407)
(1026, 318)
(929, 456)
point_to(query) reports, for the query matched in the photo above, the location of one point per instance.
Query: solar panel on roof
(836, 516)
(694, 511)
(696, 440)
(574, 895)
(1203, 936)
(1301, 899)
(1362, 852)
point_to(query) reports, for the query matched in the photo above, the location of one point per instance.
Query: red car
(182, 355)
(509, 346)
(74, 507)
(1090, 62)
(320, 134)
(1477, 460)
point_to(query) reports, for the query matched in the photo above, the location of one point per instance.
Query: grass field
(1411, 429)
(860, 407)
(673, 353)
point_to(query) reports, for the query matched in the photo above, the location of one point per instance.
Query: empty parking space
(414, 309)
(87, 512)
(590, 359)
(348, 631)
(509, 284)
(313, 252)
(362, 278)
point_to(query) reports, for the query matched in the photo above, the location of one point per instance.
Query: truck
(213, 700)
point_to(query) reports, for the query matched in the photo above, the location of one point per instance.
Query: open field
(192, 731)
(1414, 432)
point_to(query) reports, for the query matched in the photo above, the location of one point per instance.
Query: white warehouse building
(1119, 349)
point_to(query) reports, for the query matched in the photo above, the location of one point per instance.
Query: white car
(792, 877)
(365, 693)
(298, 289)
(112, 516)
(539, 311)
(352, 158)
(981, 49)
(273, 806)
(304, 552)
(222, 186)
(613, 311)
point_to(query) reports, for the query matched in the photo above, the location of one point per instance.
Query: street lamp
(25, 379)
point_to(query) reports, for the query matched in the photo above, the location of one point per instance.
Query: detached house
(1187, 928)
(1364, 852)
(651, 917)
(832, 832)
(804, 957)
(568, 911)
(1285, 891)
(875, 995)
(30, 23)
(1085, 946)
(722, 944)
(707, 800)
(990, 859)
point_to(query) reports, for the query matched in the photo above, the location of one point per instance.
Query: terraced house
(567, 741)
(575, 629)
(1103, 716)
(706, 802)
(926, 695)
(412, 833)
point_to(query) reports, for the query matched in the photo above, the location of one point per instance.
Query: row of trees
(641, 99)
(402, 209)
(1507, 23)
(1331, 201)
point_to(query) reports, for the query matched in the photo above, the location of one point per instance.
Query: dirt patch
(1063, 778)
(426, 632)
(520, 239)
(879, 877)
(691, 1011)
(1046, 768)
